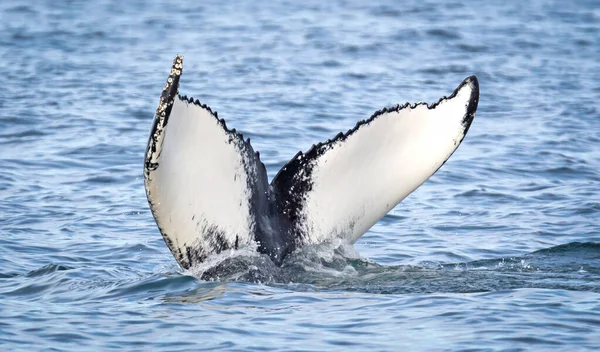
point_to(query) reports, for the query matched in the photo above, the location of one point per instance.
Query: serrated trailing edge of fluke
(221, 121)
(320, 147)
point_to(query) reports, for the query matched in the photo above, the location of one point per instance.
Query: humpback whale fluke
(209, 192)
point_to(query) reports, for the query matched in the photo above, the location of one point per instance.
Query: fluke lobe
(209, 192)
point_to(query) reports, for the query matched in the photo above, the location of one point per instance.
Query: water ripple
(499, 250)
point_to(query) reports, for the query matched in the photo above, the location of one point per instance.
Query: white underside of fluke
(200, 184)
(360, 179)
(208, 190)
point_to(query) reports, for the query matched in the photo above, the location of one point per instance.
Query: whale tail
(209, 192)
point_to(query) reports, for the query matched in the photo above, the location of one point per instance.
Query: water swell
(332, 267)
(335, 267)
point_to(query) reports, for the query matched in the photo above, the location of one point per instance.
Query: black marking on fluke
(276, 209)
(167, 97)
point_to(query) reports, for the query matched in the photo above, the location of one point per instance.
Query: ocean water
(499, 250)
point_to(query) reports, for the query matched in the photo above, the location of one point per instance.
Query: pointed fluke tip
(172, 86)
(473, 80)
(170, 90)
(178, 62)
(473, 84)
(177, 66)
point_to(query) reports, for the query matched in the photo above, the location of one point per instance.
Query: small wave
(449, 33)
(587, 250)
(48, 269)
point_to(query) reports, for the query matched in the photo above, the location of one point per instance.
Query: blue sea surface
(499, 250)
